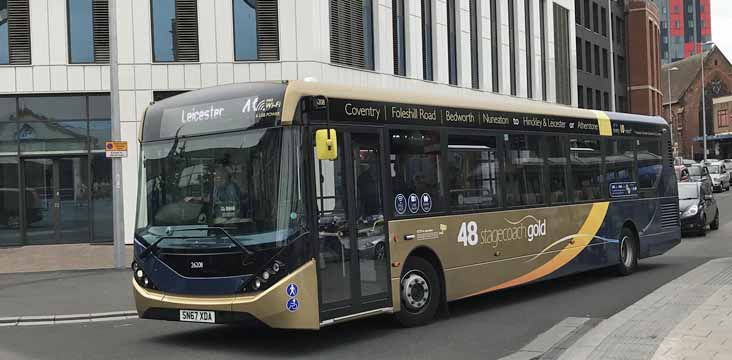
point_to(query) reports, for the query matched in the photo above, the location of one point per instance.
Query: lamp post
(670, 116)
(704, 101)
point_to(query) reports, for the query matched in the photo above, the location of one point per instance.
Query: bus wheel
(419, 292)
(628, 252)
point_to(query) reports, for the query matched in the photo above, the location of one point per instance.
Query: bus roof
(262, 104)
(467, 98)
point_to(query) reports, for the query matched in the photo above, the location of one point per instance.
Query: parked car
(727, 163)
(682, 173)
(697, 209)
(700, 173)
(687, 162)
(720, 176)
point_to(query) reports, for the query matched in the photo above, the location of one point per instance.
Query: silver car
(720, 176)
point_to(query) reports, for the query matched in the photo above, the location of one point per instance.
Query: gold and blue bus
(301, 204)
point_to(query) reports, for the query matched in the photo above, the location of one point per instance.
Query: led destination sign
(376, 112)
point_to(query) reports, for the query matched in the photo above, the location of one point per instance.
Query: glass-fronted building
(55, 181)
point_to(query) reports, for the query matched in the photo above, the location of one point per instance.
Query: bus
(301, 204)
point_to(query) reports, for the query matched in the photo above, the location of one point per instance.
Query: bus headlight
(269, 275)
(256, 284)
(140, 277)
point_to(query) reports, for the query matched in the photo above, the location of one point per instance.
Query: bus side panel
(490, 251)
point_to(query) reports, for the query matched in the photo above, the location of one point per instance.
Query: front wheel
(420, 292)
(703, 226)
(715, 224)
(628, 252)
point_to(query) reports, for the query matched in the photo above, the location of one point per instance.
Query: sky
(722, 25)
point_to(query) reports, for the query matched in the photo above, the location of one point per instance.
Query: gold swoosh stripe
(589, 229)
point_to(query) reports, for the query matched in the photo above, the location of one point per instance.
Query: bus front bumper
(273, 306)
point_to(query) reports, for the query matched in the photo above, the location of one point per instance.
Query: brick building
(685, 99)
(644, 64)
(722, 140)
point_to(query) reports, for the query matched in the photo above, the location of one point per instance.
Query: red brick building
(686, 100)
(644, 61)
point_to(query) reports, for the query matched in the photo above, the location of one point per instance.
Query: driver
(225, 195)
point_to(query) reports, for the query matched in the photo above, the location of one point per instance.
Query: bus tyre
(628, 252)
(715, 224)
(420, 292)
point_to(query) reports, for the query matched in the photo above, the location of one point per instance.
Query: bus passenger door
(353, 253)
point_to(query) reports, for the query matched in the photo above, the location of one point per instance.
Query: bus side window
(585, 157)
(523, 169)
(415, 173)
(620, 161)
(650, 165)
(556, 153)
(472, 172)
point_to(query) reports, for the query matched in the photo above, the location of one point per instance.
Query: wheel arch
(629, 224)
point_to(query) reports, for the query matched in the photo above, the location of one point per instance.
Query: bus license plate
(198, 316)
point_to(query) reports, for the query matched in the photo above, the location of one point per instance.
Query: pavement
(64, 296)
(688, 318)
(40, 258)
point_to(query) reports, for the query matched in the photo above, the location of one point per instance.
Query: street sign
(116, 149)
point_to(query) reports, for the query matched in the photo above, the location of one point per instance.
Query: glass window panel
(99, 133)
(10, 202)
(163, 19)
(523, 169)
(472, 172)
(8, 128)
(556, 148)
(81, 38)
(619, 161)
(100, 108)
(68, 136)
(4, 46)
(649, 164)
(52, 108)
(414, 163)
(245, 29)
(586, 162)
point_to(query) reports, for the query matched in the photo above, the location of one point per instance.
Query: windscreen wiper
(154, 245)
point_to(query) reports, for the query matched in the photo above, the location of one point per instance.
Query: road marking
(67, 319)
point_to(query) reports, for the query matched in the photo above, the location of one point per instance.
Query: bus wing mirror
(326, 144)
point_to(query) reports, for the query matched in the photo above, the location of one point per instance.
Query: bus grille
(669, 215)
(670, 150)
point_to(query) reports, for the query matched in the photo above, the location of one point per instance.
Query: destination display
(384, 113)
(227, 108)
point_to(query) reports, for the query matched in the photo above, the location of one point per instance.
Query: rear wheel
(420, 292)
(628, 252)
(715, 224)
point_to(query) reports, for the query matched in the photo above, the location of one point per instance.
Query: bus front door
(353, 256)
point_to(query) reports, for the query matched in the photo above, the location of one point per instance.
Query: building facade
(685, 26)
(601, 55)
(616, 72)
(685, 100)
(644, 64)
(54, 77)
(722, 112)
